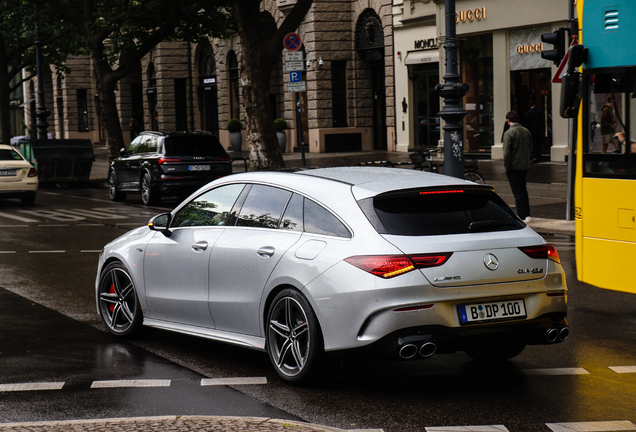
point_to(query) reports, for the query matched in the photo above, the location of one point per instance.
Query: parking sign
(295, 76)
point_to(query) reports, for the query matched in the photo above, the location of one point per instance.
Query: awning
(419, 57)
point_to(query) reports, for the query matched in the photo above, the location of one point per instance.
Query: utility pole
(41, 114)
(453, 90)
(573, 25)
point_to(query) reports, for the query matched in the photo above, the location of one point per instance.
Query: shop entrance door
(533, 85)
(426, 105)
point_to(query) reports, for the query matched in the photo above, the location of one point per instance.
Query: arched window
(233, 90)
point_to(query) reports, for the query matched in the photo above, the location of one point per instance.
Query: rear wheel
(149, 193)
(294, 341)
(118, 302)
(475, 177)
(113, 193)
(496, 348)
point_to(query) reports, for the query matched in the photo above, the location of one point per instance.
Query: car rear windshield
(194, 146)
(425, 212)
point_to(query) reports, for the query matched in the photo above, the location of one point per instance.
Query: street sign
(295, 77)
(558, 76)
(294, 66)
(291, 56)
(297, 87)
(292, 42)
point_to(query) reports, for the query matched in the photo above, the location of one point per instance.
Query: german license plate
(492, 311)
(199, 168)
(7, 172)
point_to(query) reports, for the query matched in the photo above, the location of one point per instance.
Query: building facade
(499, 57)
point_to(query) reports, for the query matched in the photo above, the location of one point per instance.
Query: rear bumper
(17, 193)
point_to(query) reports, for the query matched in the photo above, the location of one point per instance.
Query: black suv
(175, 163)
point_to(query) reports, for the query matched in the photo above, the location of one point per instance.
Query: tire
(113, 193)
(149, 193)
(496, 348)
(294, 340)
(117, 300)
(475, 177)
(28, 200)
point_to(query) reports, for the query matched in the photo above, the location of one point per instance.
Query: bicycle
(423, 160)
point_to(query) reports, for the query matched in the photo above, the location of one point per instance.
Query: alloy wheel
(118, 303)
(289, 337)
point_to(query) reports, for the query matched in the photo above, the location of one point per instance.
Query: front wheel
(474, 177)
(118, 302)
(294, 340)
(113, 193)
(149, 194)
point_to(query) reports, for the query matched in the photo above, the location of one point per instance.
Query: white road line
(51, 251)
(31, 386)
(487, 428)
(6, 252)
(623, 369)
(54, 225)
(556, 371)
(592, 426)
(91, 214)
(14, 226)
(18, 218)
(89, 225)
(130, 383)
(90, 251)
(233, 381)
(365, 430)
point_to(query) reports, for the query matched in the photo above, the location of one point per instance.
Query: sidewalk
(547, 181)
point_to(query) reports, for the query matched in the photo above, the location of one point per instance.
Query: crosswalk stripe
(233, 381)
(18, 218)
(556, 371)
(623, 369)
(486, 428)
(31, 386)
(592, 426)
(130, 383)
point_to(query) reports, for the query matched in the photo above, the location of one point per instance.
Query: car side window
(293, 217)
(132, 148)
(319, 220)
(263, 207)
(208, 209)
(144, 145)
(152, 145)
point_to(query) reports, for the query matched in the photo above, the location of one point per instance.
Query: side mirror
(122, 152)
(161, 223)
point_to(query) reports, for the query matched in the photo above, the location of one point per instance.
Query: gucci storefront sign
(470, 15)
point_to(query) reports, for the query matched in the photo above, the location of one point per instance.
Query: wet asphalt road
(53, 264)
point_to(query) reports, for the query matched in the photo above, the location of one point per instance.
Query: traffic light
(557, 39)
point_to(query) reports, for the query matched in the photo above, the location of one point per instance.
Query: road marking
(623, 369)
(130, 223)
(14, 226)
(89, 225)
(54, 225)
(130, 383)
(61, 217)
(31, 386)
(233, 381)
(91, 214)
(556, 371)
(487, 428)
(51, 251)
(90, 251)
(18, 218)
(6, 252)
(592, 426)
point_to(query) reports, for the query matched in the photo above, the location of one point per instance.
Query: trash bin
(61, 160)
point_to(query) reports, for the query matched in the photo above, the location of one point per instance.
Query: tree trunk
(5, 97)
(257, 68)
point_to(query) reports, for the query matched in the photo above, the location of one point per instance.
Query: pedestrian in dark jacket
(536, 126)
(517, 147)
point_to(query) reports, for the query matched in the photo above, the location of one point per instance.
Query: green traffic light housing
(558, 41)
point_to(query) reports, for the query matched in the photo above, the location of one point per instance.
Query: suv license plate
(7, 172)
(199, 168)
(491, 311)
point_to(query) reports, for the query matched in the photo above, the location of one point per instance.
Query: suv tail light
(164, 160)
(546, 251)
(388, 266)
(32, 172)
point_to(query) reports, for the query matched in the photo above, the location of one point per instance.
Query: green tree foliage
(119, 33)
(17, 48)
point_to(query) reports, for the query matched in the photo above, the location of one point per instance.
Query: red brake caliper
(112, 291)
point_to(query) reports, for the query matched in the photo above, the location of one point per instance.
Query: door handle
(266, 251)
(200, 246)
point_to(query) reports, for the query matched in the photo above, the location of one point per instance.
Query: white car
(18, 178)
(394, 262)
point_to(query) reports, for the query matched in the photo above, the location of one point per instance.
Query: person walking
(536, 126)
(517, 145)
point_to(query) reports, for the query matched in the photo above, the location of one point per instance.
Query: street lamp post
(452, 91)
(41, 114)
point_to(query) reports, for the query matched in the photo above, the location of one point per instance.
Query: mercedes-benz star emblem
(491, 262)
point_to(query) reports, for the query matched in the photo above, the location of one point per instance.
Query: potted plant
(280, 124)
(234, 126)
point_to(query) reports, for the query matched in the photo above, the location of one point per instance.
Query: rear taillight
(545, 251)
(32, 172)
(165, 160)
(388, 266)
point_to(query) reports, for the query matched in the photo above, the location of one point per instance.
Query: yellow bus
(605, 184)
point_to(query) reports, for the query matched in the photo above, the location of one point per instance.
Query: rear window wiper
(475, 226)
